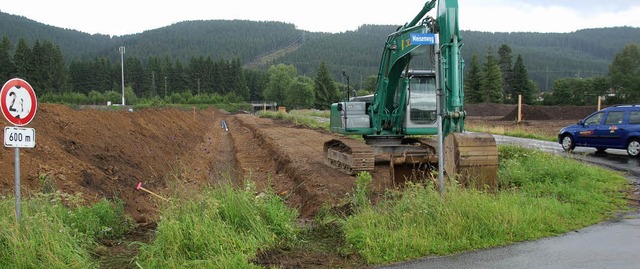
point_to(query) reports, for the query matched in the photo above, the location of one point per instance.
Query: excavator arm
(387, 110)
(451, 67)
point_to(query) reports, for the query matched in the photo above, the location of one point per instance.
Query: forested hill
(547, 56)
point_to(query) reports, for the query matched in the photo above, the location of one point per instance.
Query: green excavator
(419, 96)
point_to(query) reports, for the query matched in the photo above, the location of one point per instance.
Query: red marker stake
(139, 187)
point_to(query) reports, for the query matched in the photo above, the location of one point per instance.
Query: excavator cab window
(422, 99)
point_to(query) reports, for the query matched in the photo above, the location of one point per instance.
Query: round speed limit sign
(18, 102)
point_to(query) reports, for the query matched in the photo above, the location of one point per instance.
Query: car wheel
(633, 148)
(567, 143)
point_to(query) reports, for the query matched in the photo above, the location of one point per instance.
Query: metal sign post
(17, 183)
(18, 104)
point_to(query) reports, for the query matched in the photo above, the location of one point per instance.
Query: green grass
(525, 134)
(306, 119)
(311, 113)
(541, 195)
(56, 232)
(230, 107)
(515, 131)
(224, 228)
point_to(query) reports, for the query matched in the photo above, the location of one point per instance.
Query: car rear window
(614, 117)
(634, 117)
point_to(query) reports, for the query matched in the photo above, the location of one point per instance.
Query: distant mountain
(547, 56)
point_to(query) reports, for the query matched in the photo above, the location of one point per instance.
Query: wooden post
(519, 108)
(599, 102)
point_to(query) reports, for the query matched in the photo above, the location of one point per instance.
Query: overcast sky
(119, 17)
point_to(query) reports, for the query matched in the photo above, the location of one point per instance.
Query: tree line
(99, 79)
(500, 80)
(547, 56)
(620, 86)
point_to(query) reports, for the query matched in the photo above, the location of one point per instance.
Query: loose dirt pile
(104, 154)
(505, 112)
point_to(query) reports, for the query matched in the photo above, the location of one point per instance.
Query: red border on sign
(5, 110)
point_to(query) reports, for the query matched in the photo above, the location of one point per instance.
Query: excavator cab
(420, 117)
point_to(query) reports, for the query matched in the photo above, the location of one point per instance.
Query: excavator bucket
(472, 159)
(412, 166)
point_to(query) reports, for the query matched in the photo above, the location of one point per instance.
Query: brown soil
(105, 153)
(510, 112)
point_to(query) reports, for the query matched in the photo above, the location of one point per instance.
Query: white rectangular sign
(17, 137)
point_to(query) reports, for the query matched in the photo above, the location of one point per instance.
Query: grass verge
(541, 195)
(307, 119)
(56, 231)
(515, 131)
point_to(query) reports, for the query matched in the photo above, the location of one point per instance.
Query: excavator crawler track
(349, 156)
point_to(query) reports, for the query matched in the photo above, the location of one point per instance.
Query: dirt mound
(104, 154)
(507, 112)
(530, 112)
(488, 109)
(299, 171)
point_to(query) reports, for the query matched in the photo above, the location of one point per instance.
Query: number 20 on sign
(18, 102)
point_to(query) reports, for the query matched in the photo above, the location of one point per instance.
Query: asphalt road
(611, 244)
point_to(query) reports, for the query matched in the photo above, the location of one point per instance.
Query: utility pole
(344, 74)
(346, 103)
(153, 82)
(121, 49)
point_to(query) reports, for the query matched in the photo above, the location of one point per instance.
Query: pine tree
(7, 67)
(521, 85)
(504, 61)
(325, 89)
(491, 82)
(472, 90)
(23, 60)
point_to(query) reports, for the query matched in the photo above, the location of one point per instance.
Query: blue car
(616, 127)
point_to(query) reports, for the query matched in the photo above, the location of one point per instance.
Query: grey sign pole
(18, 89)
(17, 187)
